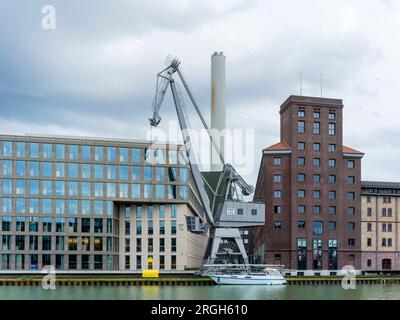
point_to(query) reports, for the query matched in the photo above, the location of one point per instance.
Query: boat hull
(245, 280)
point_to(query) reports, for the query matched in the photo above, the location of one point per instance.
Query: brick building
(310, 183)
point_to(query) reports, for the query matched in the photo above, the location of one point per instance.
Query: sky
(94, 74)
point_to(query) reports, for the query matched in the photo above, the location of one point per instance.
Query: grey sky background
(95, 74)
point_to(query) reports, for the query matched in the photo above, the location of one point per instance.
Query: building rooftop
(318, 101)
(278, 146)
(380, 184)
(350, 150)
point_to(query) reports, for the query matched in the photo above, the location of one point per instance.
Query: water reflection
(303, 292)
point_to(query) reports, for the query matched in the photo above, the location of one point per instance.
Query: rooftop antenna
(301, 83)
(321, 84)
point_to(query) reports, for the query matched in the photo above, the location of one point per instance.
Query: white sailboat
(269, 276)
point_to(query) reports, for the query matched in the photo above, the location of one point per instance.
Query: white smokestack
(218, 116)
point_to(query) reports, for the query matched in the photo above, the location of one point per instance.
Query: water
(307, 292)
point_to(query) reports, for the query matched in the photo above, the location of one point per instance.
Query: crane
(224, 211)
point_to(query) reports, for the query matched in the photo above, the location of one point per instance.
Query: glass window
(277, 161)
(7, 168)
(60, 188)
(301, 161)
(332, 194)
(98, 207)
(20, 206)
(147, 173)
(99, 153)
(135, 173)
(301, 177)
(183, 192)
(160, 158)
(277, 194)
(317, 194)
(34, 187)
(111, 190)
(34, 206)
(316, 114)
(60, 170)
(47, 169)
(160, 173)
(60, 151)
(332, 179)
(19, 186)
(60, 225)
(47, 151)
(332, 210)
(73, 170)
(109, 208)
(98, 171)
(316, 178)
(86, 204)
(351, 180)
(111, 172)
(123, 190)
(301, 146)
(7, 149)
(332, 148)
(300, 126)
(98, 189)
(6, 224)
(171, 191)
(85, 189)
(318, 227)
(60, 206)
(86, 171)
(7, 204)
(301, 113)
(147, 191)
(332, 129)
(171, 174)
(277, 178)
(351, 164)
(20, 168)
(73, 152)
(123, 172)
(47, 206)
(34, 168)
(111, 154)
(331, 115)
(173, 226)
(86, 153)
(316, 127)
(135, 155)
(21, 149)
(332, 162)
(172, 156)
(73, 206)
(162, 211)
(7, 186)
(34, 150)
(316, 146)
(317, 162)
(332, 225)
(183, 174)
(135, 190)
(301, 193)
(123, 154)
(160, 191)
(73, 189)
(173, 211)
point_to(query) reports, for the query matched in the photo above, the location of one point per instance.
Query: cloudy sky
(94, 75)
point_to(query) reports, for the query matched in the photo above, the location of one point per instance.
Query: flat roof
(307, 100)
(380, 184)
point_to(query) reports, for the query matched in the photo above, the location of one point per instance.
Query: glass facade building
(91, 204)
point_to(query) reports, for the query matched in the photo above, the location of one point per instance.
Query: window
(332, 210)
(332, 195)
(317, 227)
(332, 225)
(351, 164)
(20, 168)
(277, 209)
(183, 191)
(111, 190)
(332, 162)
(301, 193)
(277, 224)
(332, 179)
(277, 194)
(301, 225)
(351, 180)
(331, 147)
(317, 194)
(301, 177)
(301, 161)
(138, 227)
(7, 149)
(317, 162)
(147, 173)
(277, 161)
(183, 175)
(111, 154)
(60, 170)
(7, 168)
(135, 155)
(172, 156)
(47, 206)
(316, 146)
(351, 210)
(301, 146)
(7, 186)
(316, 178)
(123, 173)
(301, 113)
(21, 149)
(351, 195)
(33, 168)
(301, 209)
(351, 242)
(369, 212)
(60, 151)
(300, 126)
(277, 178)
(123, 154)
(316, 114)
(147, 191)
(86, 171)
(47, 151)
(316, 209)
(332, 129)
(20, 187)
(351, 226)
(160, 192)
(86, 153)
(331, 115)
(173, 226)
(316, 127)
(389, 212)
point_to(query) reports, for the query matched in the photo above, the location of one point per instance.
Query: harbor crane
(218, 191)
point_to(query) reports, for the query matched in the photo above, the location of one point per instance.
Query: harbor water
(302, 292)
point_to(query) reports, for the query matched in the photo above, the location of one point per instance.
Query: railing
(238, 268)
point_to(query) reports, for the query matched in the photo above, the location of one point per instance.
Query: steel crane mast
(219, 203)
